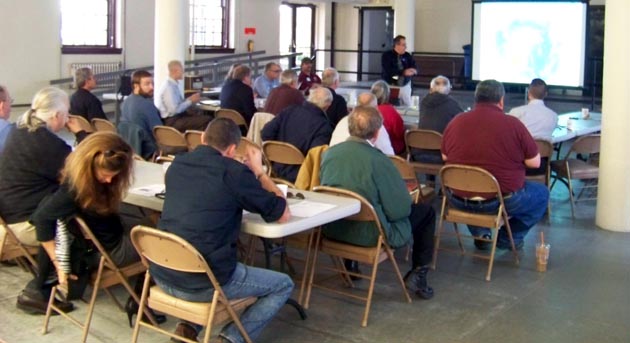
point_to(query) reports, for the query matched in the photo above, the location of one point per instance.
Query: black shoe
(483, 245)
(131, 307)
(352, 266)
(507, 246)
(185, 330)
(416, 282)
(33, 302)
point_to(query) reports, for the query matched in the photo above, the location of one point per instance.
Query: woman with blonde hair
(29, 171)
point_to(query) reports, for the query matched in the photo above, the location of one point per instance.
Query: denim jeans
(525, 208)
(272, 289)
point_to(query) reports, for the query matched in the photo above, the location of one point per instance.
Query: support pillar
(405, 21)
(171, 28)
(613, 199)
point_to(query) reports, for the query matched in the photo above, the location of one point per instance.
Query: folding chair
(424, 140)
(84, 123)
(372, 256)
(577, 169)
(545, 148)
(170, 251)
(233, 115)
(457, 177)
(281, 152)
(419, 192)
(12, 249)
(103, 125)
(107, 275)
(169, 140)
(193, 138)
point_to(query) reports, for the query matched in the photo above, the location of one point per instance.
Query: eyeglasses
(276, 71)
(295, 196)
(9, 100)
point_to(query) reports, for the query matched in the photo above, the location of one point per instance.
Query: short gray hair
(3, 93)
(364, 122)
(440, 77)
(329, 76)
(82, 75)
(367, 99)
(380, 89)
(489, 91)
(288, 77)
(320, 97)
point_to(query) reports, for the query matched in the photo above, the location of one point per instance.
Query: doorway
(297, 30)
(376, 32)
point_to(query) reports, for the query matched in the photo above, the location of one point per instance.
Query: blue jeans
(525, 208)
(272, 289)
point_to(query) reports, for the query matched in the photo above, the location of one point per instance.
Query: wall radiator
(102, 81)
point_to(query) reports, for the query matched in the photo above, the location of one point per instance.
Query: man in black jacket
(398, 69)
(83, 102)
(237, 93)
(338, 108)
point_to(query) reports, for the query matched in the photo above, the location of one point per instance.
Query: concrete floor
(581, 298)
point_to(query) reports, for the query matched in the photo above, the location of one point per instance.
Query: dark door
(375, 36)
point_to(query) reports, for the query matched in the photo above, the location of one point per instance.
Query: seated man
(267, 81)
(139, 111)
(338, 108)
(357, 166)
(211, 223)
(485, 137)
(437, 109)
(307, 77)
(83, 102)
(342, 132)
(539, 119)
(304, 126)
(237, 93)
(5, 113)
(284, 95)
(174, 109)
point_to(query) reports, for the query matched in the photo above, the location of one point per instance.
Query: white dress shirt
(537, 118)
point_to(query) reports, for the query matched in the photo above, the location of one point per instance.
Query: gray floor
(581, 298)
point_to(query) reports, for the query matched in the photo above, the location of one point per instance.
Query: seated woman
(93, 182)
(392, 121)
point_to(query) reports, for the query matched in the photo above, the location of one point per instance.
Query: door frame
(294, 7)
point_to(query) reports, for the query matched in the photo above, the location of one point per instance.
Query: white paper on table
(149, 190)
(306, 208)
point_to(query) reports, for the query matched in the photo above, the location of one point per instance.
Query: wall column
(405, 21)
(613, 200)
(171, 28)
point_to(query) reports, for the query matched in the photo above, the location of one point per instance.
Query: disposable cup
(585, 113)
(283, 188)
(542, 256)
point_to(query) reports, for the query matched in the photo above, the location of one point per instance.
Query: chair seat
(196, 312)
(109, 277)
(352, 252)
(579, 169)
(427, 168)
(477, 219)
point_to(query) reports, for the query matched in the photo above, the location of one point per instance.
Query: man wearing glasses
(268, 81)
(5, 113)
(83, 102)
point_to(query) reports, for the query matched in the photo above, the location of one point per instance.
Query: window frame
(110, 48)
(225, 34)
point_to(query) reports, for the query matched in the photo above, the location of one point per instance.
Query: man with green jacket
(358, 166)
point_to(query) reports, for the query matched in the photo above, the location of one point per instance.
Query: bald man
(174, 109)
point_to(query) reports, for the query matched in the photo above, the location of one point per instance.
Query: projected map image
(516, 42)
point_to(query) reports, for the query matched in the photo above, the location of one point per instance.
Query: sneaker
(483, 245)
(416, 282)
(507, 246)
(185, 330)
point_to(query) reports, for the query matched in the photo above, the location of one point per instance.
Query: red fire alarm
(250, 30)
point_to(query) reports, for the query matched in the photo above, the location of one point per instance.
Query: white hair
(440, 88)
(45, 105)
(320, 97)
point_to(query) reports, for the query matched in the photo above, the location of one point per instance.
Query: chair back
(88, 234)
(84, 123)
(404, 168)
(468, 179)
(589, 144)
(11, 248)
(231, 114)
(423, 139)
(103, 125)
(365, 214)
(169, 140)
(193, 138)
(281, 152)
(545, 148)
(169, 251)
